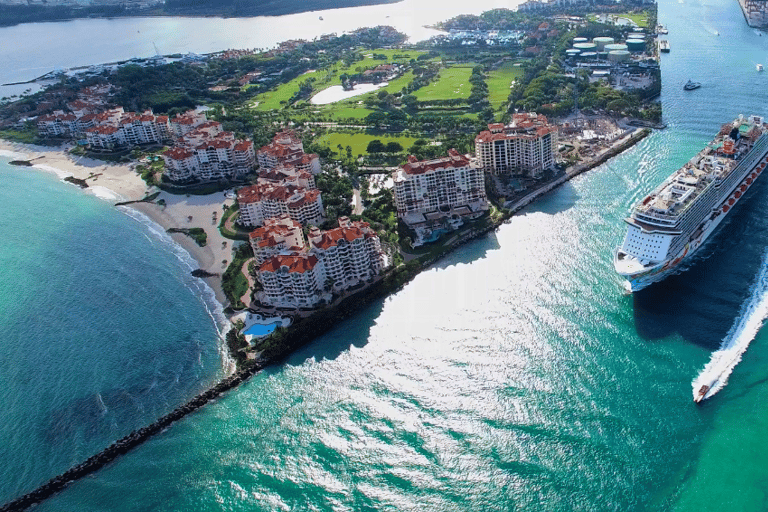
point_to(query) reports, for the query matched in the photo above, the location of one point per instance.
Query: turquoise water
(102, 327)
(261, 329)
(513, 375)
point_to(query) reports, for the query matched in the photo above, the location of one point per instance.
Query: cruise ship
(672, 222)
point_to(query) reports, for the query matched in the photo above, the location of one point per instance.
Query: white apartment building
(115, 128)
(287, 175)
(443, 186)
(292, 281)
(279, 235)
(263, 201)
(526, 146)
(287, 149)
(181, 124)
(350, 253)
(222, 157)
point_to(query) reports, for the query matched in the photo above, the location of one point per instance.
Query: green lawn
(359, 141)
(271, 100)
(498, 82)
(452, 83)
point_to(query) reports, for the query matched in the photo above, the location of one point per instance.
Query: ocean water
(103, 328)
(516, 374)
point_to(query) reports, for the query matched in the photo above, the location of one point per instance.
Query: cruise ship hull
(654, 273)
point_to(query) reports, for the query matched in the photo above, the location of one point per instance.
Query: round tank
(602, 55)
(618, 56)
(580, 40)
(636, 35)
(635, 45)
(602, 41)
(573, 52)
(615, 46)
(585, 47)
(588, 55)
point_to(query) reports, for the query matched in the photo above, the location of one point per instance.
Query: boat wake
(753, 313)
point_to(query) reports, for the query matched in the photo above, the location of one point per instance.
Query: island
(311, 179)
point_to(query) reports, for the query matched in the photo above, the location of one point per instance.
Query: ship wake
(744, 329)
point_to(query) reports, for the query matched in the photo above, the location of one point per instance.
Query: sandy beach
(119, 182)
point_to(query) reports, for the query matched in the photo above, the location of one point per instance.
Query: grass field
(271, 100)
(346, 112)
(640, 19)
(498, 82)
(452, 83)
(359, 141)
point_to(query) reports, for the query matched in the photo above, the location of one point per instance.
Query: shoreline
(119, 182)
(300, 336)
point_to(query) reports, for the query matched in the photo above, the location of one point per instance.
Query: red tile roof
(294, 262)
(454, 159)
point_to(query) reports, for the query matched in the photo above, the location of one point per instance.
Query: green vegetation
(196, 234)
(359, 142)
(237, 345)
(282, 95)
(499, 83)
(27, 136)
(452, 83)
(640, 18)
(233, 282)
(230, 218)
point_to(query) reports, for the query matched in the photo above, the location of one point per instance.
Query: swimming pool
(261, 329)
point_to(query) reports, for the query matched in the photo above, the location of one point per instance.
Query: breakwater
(127, 443)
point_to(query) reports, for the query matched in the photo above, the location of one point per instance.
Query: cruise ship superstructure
(672, 222)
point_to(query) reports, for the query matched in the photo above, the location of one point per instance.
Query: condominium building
(434, 196)
(287, 175)
(202, 157)
(350, 253)
(278, 235)
(115, 128)
(292, 280)
(525, 146)
(287, 149)
(262, 201)
(181, 124)
(442, 185)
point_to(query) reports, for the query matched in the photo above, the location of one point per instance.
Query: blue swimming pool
(261, 329)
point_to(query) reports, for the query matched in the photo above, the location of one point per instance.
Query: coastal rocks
(21, 163)
(124, 445)
(76, 181)
(199, 272)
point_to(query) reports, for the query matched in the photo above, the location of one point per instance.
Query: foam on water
(12, 154)
(199, 287)
(745, 328)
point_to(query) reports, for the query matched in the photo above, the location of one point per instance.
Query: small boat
(759, 67)
(701, 394)
(320, 18)
(691, 85)
(664, 46)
